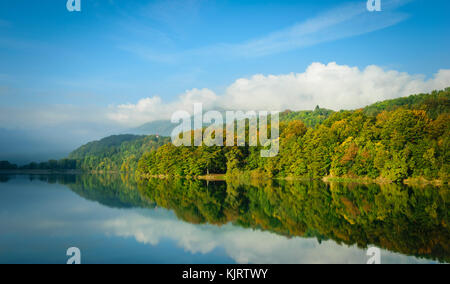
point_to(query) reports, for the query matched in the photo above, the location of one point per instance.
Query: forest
(116, 153)
(390, 141)
(111, 154)
(404, 139)
(5, 165)
(390, 216)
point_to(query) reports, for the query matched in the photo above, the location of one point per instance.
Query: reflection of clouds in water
(50, 216)
(242, 245)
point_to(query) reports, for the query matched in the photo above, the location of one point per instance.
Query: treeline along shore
(394, 141)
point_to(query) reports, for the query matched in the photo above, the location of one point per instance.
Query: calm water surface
(112, 219)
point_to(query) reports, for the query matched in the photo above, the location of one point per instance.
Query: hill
(104, 147)
(434, 104)
(165, 127)
(160, 127)
(115, 153)
(309, 118)
(395, 140)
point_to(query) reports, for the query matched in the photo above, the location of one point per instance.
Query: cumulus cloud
(153, 108)
(333, 86)
(330, 85)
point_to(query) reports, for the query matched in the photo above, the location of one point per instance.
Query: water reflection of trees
(116, 191)
(412, 221)
(407, 220)
(4, 178)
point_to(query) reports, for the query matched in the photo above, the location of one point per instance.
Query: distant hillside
(5, 165)
(165, 127)
(309, 118)
(435, 104)
(103, 147)
(122, 152)
(160, 127)
(115, 153)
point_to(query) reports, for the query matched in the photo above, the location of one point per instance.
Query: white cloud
(153, 108)
(332, 86)
(342, 22)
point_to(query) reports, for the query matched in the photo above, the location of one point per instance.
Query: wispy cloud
(170, 12)
(149, 54)
(342, 22)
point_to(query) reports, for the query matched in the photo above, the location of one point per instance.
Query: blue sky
(116, 52)
(97, 68)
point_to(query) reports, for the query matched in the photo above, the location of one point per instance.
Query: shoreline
(40, 172)
(420, 181)
(328, 179)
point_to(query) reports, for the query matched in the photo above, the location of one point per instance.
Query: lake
(113, 219)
